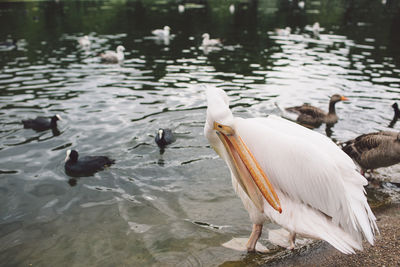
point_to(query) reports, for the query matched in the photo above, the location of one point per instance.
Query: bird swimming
(374, 150)
(164, 137)
(314, 30)
(8, 45)
(232, 8)
(162, 33)
(113, 57)
(85, 166)
(313, 117)
(283, 32)
(209, 42)
(84, 41)
(396, 115)
(291, 175)
(41, 123)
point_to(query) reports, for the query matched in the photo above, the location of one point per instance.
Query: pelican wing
(310, 169)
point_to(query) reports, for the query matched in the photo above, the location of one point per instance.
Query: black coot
(85, 166)
(164, 137)
(42, 123)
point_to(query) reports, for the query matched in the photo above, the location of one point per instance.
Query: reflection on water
(165, 207)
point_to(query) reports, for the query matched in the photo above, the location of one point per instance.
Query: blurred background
(174, 206)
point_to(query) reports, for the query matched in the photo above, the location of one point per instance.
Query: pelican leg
(255, 235)
(292, 240)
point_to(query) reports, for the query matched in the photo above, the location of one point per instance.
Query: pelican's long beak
(251, 177)
(343, 98)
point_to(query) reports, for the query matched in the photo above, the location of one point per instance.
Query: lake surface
(172, 207)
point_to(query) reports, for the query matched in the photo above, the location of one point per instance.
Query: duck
(84, 41)
(396, 115)
(209, 42)
(164, 137)
(283, 32)
(314, 30)
(232, 8)
(374, 150)
(85, 166)
(113, 57)
(42, 123)
(162, 33)
(8, 45)
(313, 117)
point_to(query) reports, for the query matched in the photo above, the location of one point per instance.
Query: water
(176, 207)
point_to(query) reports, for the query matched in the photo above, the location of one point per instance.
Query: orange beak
(343, 98)
(251, 176)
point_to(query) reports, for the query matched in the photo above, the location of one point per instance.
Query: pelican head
(222, 135)
(205, 36)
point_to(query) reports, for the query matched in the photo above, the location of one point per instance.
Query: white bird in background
(209, 42)
(162, 33)
(181, 8)
(84, 41)
(232, 8)
(283, 32)
(114, 57)
(316, 29)
(294, 176)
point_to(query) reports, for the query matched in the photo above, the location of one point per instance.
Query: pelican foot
(255, 235)
(239, 244)
(292, 240)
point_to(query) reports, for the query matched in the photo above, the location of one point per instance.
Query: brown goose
(313, 117)
(374, 150)
(396, 115)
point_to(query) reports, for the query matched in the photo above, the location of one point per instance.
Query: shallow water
(176, 207)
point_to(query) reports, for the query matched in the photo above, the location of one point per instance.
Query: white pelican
(114, 57)
(294, 176)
